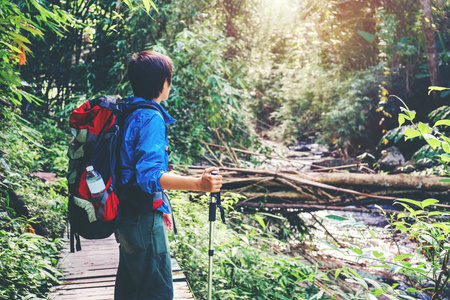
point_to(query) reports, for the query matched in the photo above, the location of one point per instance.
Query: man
(144, 266)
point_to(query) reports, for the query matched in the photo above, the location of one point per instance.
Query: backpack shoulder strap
(127, 112)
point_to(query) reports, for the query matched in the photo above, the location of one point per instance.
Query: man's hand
(168, 221)
(210, 183)
(206, 183)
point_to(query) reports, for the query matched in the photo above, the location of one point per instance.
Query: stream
(367, 231)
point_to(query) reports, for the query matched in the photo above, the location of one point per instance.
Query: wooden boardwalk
(86, 279)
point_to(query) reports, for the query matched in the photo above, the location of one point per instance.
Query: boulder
(390, 159)
(412, 166)
(316, 149)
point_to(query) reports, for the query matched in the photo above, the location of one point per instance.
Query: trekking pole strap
(222, 212)
(78, 245)
(212, 211)
(218, 204)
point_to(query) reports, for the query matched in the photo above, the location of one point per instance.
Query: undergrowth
(28, 262)
(247, 261)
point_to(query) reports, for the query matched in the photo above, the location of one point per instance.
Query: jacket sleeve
(150, 154)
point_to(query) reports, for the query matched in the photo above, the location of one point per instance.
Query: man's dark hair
(147, 71)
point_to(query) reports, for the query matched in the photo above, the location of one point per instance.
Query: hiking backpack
(95, 126)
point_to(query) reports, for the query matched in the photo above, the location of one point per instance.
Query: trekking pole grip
(213, 201)
(217, 203)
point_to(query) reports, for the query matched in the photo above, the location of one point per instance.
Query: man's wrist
(198, 185)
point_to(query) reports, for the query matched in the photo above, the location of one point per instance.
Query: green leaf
(445, 180)
(154, 6)
(338, 218)
(354, 273)
(444, 158)
(129, 4)
(245, 239)
(442, 122)
(429, 202)
(424, 128)
(19, 37)
(445, 139)
(417, 203)
(379, 207)
(428, 239)
(411, 133)
(435, 213)
(33, 30)
(260, 221)
(319, 294)
(375, 284)
(446, 147)
(444, 227)
(367, 36)
(401, 119)
(377, 254)
(356, 250)
(337, 272)
(433, 143)
(146, 6)
(410, 114)
(402, 257)
(436, 88)
(406, 263)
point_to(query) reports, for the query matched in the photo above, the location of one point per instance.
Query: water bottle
(95, 182)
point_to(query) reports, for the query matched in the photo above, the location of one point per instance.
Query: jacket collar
(168, 119)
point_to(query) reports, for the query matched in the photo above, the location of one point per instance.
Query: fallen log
(335, 189)
(404, 181)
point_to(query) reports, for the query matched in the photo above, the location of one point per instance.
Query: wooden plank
(88, 285)
(88, 280)
(91, 273)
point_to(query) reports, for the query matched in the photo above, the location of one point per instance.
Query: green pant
(145, 270)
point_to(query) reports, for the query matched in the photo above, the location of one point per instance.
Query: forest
(329, 119)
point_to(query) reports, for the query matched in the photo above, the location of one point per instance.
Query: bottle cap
(89, 168)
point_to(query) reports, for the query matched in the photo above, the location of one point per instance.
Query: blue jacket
(144, 148)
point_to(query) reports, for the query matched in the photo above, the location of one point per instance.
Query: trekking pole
(213, 204)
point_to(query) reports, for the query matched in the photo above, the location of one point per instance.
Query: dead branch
(312, 207)
(323, 169)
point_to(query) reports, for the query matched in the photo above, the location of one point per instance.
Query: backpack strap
(127, 112)
(74, 237)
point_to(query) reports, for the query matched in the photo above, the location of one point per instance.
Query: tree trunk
(231, 11)
(333, 189)
(430, 40)
(401, 181)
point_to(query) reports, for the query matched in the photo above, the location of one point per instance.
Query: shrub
(246, 264)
